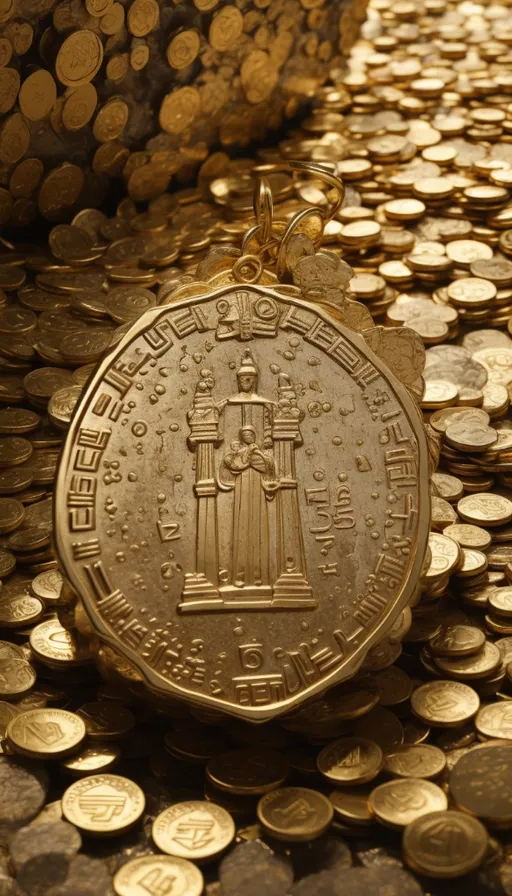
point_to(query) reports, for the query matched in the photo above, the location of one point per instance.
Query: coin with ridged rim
(445, 844)
(136, 875)
(103, 804)
(196, 830)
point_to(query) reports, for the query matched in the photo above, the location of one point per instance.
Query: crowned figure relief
(246, 487)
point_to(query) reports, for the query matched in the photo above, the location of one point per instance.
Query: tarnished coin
(38, 839)
(263, 552)
(250, 771)
(445, 844)
(103, 804)
(23, 787)
(46, 733)
(106, 719)
(195, 830)
(295, 813)
(481, 784)
(134, 878)
(415, 761)
(397, 803)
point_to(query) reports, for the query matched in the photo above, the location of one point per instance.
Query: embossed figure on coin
(257, 472)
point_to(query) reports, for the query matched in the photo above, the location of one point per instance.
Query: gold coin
(468, 536)
(180, 108)
(500, 602)
(37, 95)
(249, 771)
(91, 760)
(226, 28)
(103, 805)
(445, 844)
(480, 784)
(350, 760)
(134, 877)
(183, 49)
(457, 640)
(9, 88)
(351, 806)
(495, 720)
(488, 509)
(466, 668)
(20, 609)
(445, 704)
(399, 802)
(55, 646)
(143, 17)
(295, 814)
(46, 733)
(17, 677)
(106, 719)
(79, 58)
(415, 761)
(196, 830)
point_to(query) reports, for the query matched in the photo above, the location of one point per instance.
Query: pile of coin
(94, 93)
(395, 782)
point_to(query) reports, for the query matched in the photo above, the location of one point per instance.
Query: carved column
(291, 588)
(201, 587)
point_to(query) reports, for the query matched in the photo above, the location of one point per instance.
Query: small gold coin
(399, 802)
(17, 677)
(415, 761)
(445, 844)
(37, 95)
(196, 830)
(468, 536)
(295, 814)
(79, 58)
(495, 720)
(46, 733)
(457, 640)
(91, 760)
(445, 704)
(106, 719)
(486, 508)
(481, 784)
(251, 771)
(467, 668)
(136, 875)
(20, 609)
(351, 806)
(103, 804)
(350, 760)
(56, 646)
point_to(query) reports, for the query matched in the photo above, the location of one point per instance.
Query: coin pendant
(243, 500)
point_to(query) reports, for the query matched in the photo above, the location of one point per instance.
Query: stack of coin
(97, 93)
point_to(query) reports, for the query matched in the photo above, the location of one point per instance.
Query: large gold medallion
(243, 500)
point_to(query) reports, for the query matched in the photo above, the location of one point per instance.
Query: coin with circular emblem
(103, 805)
(399, 802)
(481, 784)
(494, 720)
(350, 761)
(46, 733)
(56, 646)
(446, 704)
(295, 814)
(415, 761)
(210, 830)
(249, 389)
(445, 844)
(133, 878)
